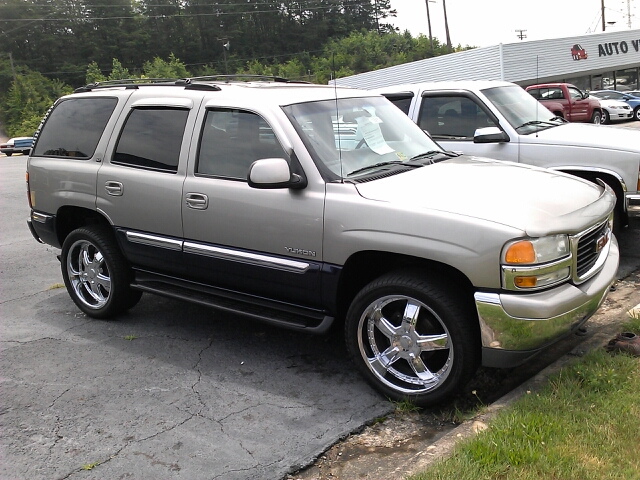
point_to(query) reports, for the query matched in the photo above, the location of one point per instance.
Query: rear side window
(74, 127)
(151, 138)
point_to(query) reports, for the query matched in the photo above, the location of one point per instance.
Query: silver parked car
(306, 206)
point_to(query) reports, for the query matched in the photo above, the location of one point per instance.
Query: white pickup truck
(500, 120)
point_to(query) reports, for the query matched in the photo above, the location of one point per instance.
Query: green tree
(27, 100)
(94, 74)
(159, 68)
(118, 72)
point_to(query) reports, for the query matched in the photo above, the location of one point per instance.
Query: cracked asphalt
(169, 390)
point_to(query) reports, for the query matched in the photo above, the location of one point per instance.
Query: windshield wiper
(537, 122)
(415, 160)
(375, 165)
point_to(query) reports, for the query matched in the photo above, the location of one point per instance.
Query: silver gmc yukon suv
(304, 205)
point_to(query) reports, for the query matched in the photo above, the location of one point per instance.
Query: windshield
(521, 110)
(359, 136)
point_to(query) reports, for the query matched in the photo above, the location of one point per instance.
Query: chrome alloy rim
(405, 344)
(88, 274)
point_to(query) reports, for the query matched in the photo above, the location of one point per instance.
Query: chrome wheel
(405, 344)
(88, 274)
(96, 274)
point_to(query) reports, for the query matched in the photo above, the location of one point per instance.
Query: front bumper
(515, 327)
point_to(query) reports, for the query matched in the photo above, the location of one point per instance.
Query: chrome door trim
(246, 257)
(154, 241)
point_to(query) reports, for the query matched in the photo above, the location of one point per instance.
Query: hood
(586, 135)
(534, 200)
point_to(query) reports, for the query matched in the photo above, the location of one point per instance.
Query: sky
(481, 23)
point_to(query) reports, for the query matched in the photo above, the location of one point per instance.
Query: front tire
(411, 339)
(595, 118)
(96, 274)
(606, 118)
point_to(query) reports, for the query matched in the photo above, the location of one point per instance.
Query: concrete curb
(444, 446)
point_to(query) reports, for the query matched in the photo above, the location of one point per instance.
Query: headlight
(536, 250)
(535, 263)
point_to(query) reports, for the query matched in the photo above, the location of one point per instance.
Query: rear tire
(96, 274)
(411, 339)
(636, 113)
(9, 154)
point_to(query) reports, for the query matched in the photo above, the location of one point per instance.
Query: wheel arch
(614, 180)
(363, 267)
(69, 218)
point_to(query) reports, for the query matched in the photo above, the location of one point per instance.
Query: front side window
(74, 127)
(232, 140)
(452, 117)
(356, 136)
(402, 101)
(575, 93)
(151, 138)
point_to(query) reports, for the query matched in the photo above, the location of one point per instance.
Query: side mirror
(270, 173)
(490, 135)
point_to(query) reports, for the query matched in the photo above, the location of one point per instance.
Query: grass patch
(130, 337)
(56, 285)
(585, 424)
(90, 466)
(633, 322)
(405, 406)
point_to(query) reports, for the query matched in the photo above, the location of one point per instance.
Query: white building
(591, 62)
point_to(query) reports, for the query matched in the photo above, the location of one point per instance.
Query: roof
(279, 93)
(449, 85)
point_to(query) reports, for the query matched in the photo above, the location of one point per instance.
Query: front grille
(589, 250)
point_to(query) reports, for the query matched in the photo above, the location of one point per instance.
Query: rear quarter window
(74, 127)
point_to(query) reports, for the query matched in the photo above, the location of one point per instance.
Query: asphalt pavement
(169, 390)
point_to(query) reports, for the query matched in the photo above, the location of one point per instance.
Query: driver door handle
(197, 201)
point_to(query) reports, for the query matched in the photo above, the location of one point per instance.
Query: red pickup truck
(567, 101)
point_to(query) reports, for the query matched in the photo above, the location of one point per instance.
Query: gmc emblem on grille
(601, 242)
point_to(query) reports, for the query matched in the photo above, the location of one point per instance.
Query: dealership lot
(170, 390)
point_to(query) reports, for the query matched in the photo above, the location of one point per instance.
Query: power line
(181, 15)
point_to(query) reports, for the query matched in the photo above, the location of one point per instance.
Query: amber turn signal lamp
(525, 282)
(520, 252)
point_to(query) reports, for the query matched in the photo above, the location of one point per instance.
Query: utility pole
(446, 26)
(377, 21)
(429, 22)
(602, 15)
(225, 46)
(520, 34)
(13, 70)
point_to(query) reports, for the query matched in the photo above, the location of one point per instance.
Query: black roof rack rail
(240, 77)
(191, 83)
(127, 83)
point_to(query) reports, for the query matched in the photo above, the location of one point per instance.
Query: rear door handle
(197, 201)
(114, 188)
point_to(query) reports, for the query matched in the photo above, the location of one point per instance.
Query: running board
(280, 314)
